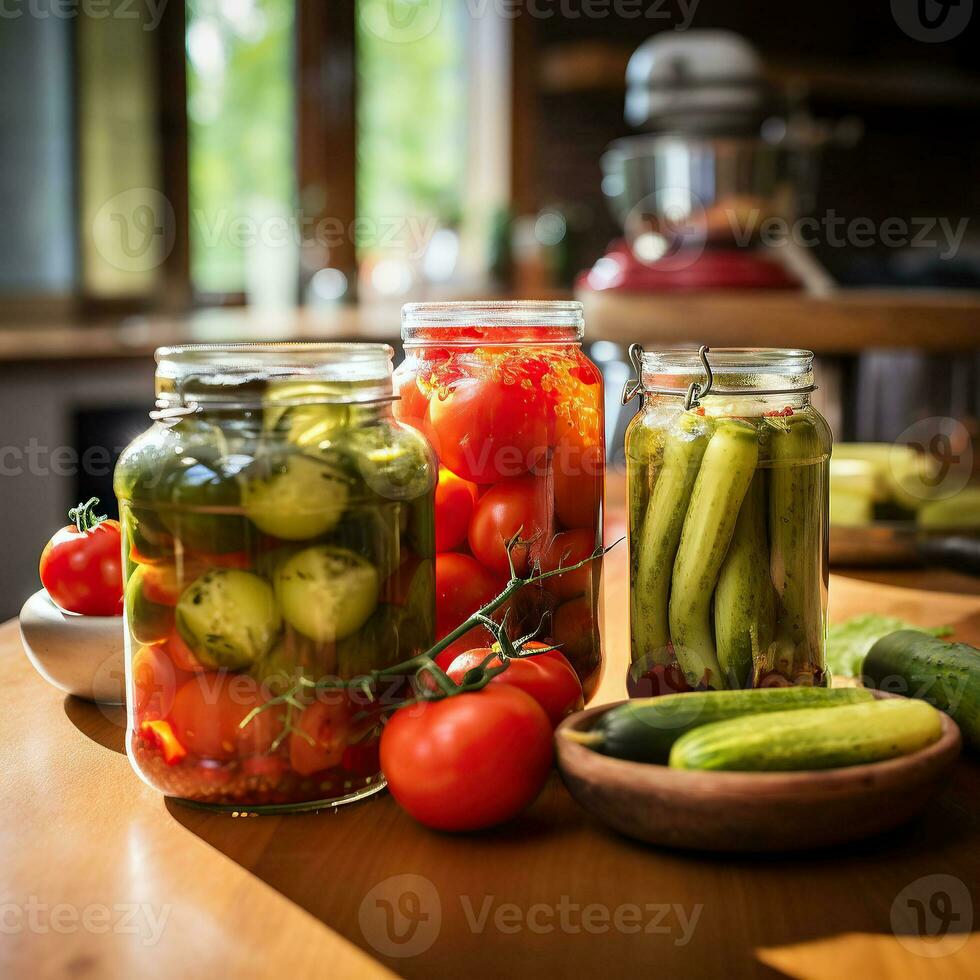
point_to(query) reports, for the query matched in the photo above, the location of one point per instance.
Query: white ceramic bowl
(80, 655)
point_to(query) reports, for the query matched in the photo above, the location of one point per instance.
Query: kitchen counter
(102, 877)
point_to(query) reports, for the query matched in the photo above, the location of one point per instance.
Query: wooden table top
(102, 877)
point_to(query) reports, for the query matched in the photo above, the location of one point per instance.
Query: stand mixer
(718, 157)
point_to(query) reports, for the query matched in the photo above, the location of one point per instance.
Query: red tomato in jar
(155, 683)
(320, 739)
(547, 677)
(455, 500)
(487, 430)
(577, 467)
(573, 628)
(569, 548)
(411, 406)
(181, 654)
(81, 566)
(469, 761)
(208, 712)
(463, 585)
(516, 505)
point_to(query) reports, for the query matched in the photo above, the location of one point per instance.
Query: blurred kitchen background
(740, 172)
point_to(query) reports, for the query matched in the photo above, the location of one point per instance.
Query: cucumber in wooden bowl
(918, 665)
(644, 730)
(811, 738)
(752, 811)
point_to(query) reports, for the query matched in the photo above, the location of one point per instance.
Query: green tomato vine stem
(475, 679)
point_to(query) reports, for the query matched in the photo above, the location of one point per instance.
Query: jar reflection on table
(514, 411)
(278, 532)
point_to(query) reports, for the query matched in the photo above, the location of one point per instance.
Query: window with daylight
(241, 166)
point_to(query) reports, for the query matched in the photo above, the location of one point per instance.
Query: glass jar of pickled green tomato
(727, 468)
(278, 540)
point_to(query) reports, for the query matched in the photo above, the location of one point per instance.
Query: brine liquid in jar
(514, 411)
(728, 523)
(278, 536)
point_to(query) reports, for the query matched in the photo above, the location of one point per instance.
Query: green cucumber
(656, 540)
(947, 675)
(727, 468)
(644, 730)
(745, 612)
(797, 523)
(810, 738)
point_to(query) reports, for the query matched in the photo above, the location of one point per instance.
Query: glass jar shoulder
(801, 431)
(374, 453)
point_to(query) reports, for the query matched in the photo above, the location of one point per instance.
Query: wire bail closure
(695, 390)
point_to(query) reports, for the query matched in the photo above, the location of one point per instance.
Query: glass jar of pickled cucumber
(727, 469)
(278, 540)
(514, 410)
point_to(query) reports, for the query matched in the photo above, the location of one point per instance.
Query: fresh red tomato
(569, 548)
(155, 683)
(517, 505)
(469, 761)
(208, 711)
(320, 739)
(463, 585)
(455, 500)
(81, 566)
(548, 677)
(476, 637)
(485, 429)
(577, 468)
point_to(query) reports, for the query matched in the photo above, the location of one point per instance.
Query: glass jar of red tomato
(277, 532)
(514, 410)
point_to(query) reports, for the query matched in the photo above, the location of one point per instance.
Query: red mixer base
(728, 268)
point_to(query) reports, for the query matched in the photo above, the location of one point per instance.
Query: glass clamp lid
(526, 321)
(748, 371)
(191, 377)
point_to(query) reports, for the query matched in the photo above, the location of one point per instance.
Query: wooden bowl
(80, 655)
(748, 811)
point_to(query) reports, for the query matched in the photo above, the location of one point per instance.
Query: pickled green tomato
(297, 498)
(327, 593)
(148, 621)
(198, 502)
(228, 618)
